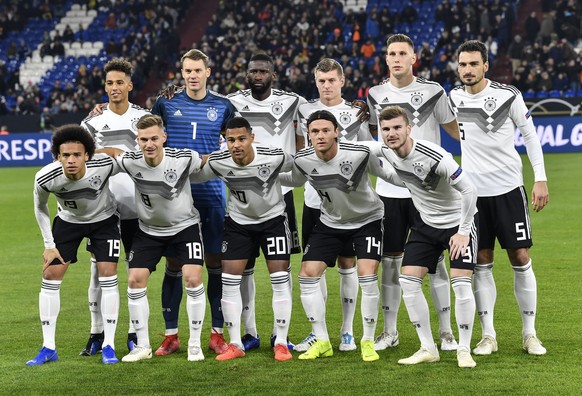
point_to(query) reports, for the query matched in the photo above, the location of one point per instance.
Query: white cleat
(486, 346)
(464, 358)
(307, 342)
(448, 342)
(195, 353)
(138, 353)
(423, 355)
(386, 340)
(347, 342)
(533, 346)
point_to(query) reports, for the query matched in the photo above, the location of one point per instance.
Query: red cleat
(170, 345)
(282, 353)
(217, 343)
(232, 352)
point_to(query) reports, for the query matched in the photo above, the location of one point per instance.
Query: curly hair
(72, 133)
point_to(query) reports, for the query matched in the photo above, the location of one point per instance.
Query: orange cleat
(217, 343)
(170, 345)
(232, 352)
(282, 353)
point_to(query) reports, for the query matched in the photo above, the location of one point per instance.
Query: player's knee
(518, 257)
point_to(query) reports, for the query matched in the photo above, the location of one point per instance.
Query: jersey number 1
(194, 125)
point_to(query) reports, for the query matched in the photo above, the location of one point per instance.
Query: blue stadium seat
(542, 95)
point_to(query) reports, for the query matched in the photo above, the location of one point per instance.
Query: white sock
(349, 296)
(248, 292)
(391, 292)
(323, 286)
(281, 303)
(440, 289)
(485, 296)
(314, 306)
(139, 313)
(130, 328)
(525, 288)
(464, 309)
(369, 305)
(232, 307)
(49, 305)
(196, 308)
(109, 308)
(417, 308)
(94, 296)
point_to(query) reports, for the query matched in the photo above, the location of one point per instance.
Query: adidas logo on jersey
(230, 173)
(314, 172)
(178, 113)
(246, 108)
(63, 189)
(462, 104)
(105, 128)
(138, 175)
(385, 100)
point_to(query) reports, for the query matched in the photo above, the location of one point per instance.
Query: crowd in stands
(299, 33)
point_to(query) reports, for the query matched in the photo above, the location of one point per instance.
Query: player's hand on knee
(49, 255)
(458, 246)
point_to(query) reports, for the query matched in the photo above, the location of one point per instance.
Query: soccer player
(256, 217)
(329, 79)
(114, 127)
(194, 119)
(426, 105)
(79, 181)
(488, 114)
(272, 114)
(445, 217)
(351, 213)
(167, 220)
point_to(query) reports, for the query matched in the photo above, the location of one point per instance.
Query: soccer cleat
(282, 353)
(45, 355)
(217, 343)
(250, 342)
(108, 355)
(170, 345)
(448, 342)
(290, 345)
(533, 346)
(423, 355)
(347, 342)
(131, 341)
(318, 349)
(386, 340)
(94, 344)
(464, 358)
(368, 352)
(306, 343)
(232, 352)
(195, 353)
(486, 346)
(138, 353)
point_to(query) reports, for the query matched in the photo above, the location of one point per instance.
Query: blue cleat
(94, 344)
(131, 341)
(250, 342)
(44, 355)
(290, 345)
(108, 355)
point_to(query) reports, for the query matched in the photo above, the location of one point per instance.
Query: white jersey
(349, 126)
(110, 129)
(487, 121)
(347, 197)
(164, 205)
(435, 179)
(255, 190)
(426, 106)
(274, 120)
(87, 200)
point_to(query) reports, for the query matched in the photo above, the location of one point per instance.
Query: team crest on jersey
(170, 176)
(134, 124)
(416, 99)
(490, 104)
(264, 172)
(277, 109)
(224, 247)
(346, 168)
(95, 181)
(419, 170)
(345, 118)
(212, 114)
(130, 257)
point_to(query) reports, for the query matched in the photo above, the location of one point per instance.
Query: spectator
(545, 82)
(515, 52)
(560, 82)
(4, 130)
(68, 34)
(532, 27)
(368, 50)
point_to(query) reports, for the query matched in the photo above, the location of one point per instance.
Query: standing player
(256, 217)
(167, 220)
(194, 119)
(114, 127)
(488, 114)
(272, 114)
(329, 79)
(445, 219)
(80, 182)
(351, 213)
(426, 105)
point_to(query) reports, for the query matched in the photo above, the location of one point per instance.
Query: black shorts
(326, 243)
(128, 229)
(292, 219)
(309, 220)
(104, 237)
(398, 218)
(242, 240)
(186, 246)
(426, 244)
(505, 217)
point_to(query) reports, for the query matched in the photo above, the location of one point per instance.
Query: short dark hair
(149, 120)
(399, 38)
(238, 122)
(262, 57)
(327, 64)
(322, 115)
(474, 46)
(391, 112)
(72, 133)
(195, 55)
(119, 64)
